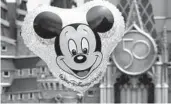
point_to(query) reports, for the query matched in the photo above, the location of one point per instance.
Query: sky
(31, 4)
(34, 3)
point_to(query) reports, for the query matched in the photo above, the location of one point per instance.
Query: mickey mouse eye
(85, 45)
(72, 47)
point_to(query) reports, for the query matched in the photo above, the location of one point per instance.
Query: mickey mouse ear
(100, 19)
(47, 25)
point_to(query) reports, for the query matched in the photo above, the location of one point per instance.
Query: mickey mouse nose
(80, 58)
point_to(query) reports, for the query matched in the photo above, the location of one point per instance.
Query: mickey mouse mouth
(82, 73)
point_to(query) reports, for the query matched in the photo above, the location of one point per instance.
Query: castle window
(31, 95)
(6, 74)
(30, 71)
(57, 85)
(90, 93)
(3, 47)
(51, 85)
(20, 96)
(43, 69)
(10, 97)
(46, 85)
(20, 72)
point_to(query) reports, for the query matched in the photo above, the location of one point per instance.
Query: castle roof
(27, 62)
(7, 64)
(23, 85)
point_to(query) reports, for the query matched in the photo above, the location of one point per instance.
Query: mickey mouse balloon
(75, 43)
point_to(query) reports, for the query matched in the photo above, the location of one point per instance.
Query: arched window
(57, 86)
(31, 95)
(51, 85)
(20, 96)
(10, 97)
(46, 85)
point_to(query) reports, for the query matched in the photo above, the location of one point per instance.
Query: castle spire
(134, 16)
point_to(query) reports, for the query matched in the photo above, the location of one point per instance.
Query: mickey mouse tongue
(82, 73)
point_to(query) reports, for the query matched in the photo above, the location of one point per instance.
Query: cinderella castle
(25, 78)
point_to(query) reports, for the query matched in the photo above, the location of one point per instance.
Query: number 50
(132, 53)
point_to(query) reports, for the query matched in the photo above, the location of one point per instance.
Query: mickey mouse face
(78, 46)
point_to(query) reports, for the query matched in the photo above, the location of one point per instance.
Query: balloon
(75, 43)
